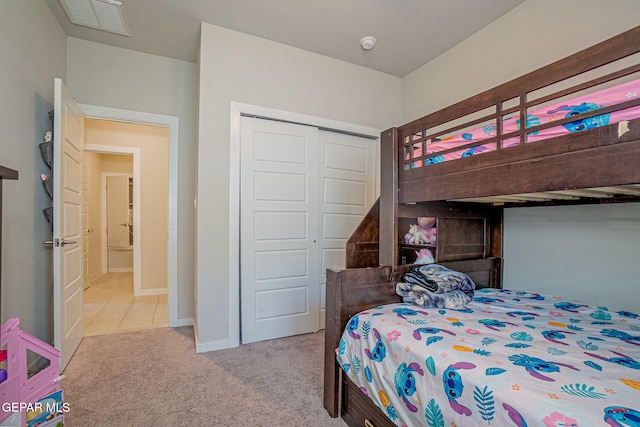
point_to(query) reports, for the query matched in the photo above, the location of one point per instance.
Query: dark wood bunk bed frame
(467, 196)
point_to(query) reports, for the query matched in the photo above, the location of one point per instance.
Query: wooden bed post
(332, 333)
(388, 250)
(349, 292)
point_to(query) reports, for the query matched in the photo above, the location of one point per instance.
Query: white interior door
(280, 290)
(347, 180)
(68, 146)
(118, 211)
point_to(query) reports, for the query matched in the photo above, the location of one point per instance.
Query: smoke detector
(105, 15)
(368, 42)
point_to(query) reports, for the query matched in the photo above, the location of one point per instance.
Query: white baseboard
(120, 270)
(212, 345)
(187, 321)
(153, 291)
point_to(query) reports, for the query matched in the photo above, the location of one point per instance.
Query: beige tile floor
(110, 307)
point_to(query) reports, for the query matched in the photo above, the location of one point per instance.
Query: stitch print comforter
(507, 359)
(560, 110)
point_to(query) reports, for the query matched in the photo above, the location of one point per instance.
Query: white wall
(532, 35)
(588, 253)
(236, 67)
(33, 51)
(529, 36)
(112, 77)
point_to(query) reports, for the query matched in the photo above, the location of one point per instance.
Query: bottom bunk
(359, 410)
(506, 358)
(354, 290)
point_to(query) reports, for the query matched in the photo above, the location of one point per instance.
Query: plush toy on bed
(422, 233)
(435, 286)
(424, 256)
(431, 235)
(426, 222)
(415, 236)
(427, 225)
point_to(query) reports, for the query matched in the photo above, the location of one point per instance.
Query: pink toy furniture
(18, 388)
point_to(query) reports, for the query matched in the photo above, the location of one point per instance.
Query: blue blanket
(435, 286)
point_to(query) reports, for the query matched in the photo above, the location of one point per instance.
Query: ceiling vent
(105, 15)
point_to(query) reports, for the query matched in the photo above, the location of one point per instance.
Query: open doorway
(125, 216)
(178, 293)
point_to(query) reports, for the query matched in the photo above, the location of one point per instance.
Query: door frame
(237, 111)
(137, 287)
(172, 123)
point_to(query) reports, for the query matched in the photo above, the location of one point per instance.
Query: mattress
(535, 116)
(508, 358)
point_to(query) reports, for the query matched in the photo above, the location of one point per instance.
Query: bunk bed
(554, 136)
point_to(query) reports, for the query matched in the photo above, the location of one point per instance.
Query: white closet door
(347, 192)
(280, 290)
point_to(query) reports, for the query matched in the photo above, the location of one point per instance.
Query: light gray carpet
(154, 377)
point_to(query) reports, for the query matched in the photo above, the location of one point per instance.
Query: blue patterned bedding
(507, 359)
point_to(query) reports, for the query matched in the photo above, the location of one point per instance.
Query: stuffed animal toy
(426, 222)
(431, 236)
(427, 225)
(424, 256)
(415, 236)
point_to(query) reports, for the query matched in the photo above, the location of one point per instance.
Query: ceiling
(409, 33)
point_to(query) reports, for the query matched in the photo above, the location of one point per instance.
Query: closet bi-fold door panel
(279, 275)
(303, 192)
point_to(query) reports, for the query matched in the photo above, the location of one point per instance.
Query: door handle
(58, 242)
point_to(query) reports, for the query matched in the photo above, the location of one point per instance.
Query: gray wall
(33, 49)
(588, 253)
(589, 250)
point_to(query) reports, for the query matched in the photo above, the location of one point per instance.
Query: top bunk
(580, 142)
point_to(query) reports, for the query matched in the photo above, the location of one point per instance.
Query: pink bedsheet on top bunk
(550, 113)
